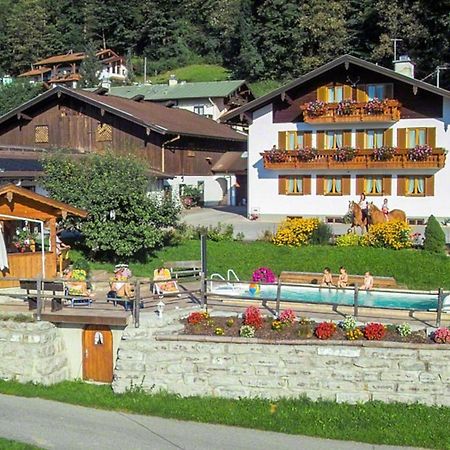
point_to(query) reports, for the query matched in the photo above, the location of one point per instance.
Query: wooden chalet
(169, 141)
(27, 215)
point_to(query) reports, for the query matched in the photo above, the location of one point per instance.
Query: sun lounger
(163, 283)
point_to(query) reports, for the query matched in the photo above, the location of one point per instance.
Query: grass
(194, 72)
(374, 422)
(413, 268)
(6, 444)
(260, 88)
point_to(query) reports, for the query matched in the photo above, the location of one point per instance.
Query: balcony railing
(373, 111)
(363, 159)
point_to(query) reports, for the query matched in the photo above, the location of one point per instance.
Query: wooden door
(97, 354)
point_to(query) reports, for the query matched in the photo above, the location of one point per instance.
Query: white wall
(212, 106)
(263, 184)
(213, 192)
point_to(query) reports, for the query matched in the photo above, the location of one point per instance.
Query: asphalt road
(54, 425)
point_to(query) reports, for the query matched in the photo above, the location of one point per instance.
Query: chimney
(404, 66)
(173, 80)
(106, 84)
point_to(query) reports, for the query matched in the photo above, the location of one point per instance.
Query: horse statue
(377, 216)
(358, 219)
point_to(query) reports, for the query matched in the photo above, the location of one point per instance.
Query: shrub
(404, 329)
(229, 323)
(81, 264)
(287, 317)
(394, 234)
(247, 331)
(374, 331)
(434, 236)
(305, 328)
(354, 334)
(266, 236)
(219, 331)
(322, 234)
(295, 231)
(264, 275)
(253, 317)
(349, 323)
(197, 317)
(442, 336)
(348, 240)
(325, 330)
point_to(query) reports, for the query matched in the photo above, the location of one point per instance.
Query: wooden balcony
(390, 112)
(288, 160)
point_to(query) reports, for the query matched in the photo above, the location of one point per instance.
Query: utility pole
(394, 41)
(145, 69)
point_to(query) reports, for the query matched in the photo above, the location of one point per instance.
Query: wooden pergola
(22, 205)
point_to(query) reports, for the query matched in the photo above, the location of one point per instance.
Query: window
(332, 186)
(103, 133)
(416, 136)
(290, 140)
(333, 139)
(335, 94)
(374, 138)
(294, 185)
(373, 185)
(199, 109)
(415, 185)
(41, 134)
(376, 91)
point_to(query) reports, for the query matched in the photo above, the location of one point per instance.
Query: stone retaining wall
(155, 357)
(32, 352)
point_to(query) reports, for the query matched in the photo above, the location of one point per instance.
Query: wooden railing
(363, 159)
(390, 112)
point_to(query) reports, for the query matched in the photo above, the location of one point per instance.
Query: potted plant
(346, 107)
(306, 154)
(275, 155)
(316, 108)
(419, 153)
(374, 106)
(24, 240)
(344, 154)
(384, 153)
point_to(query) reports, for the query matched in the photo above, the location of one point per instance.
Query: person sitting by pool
(343, 278)
(368, 281)
(327, 279)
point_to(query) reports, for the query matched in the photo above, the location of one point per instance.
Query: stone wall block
(343, 352)
(434, 355)
(427, 377)
(390, 353)
(400, 375)
(380, 363)
(380, 386)
(414, 365)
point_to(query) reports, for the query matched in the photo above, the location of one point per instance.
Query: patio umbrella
(3, 254)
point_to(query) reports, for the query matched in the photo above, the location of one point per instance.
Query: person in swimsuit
(327, 279)
(343, 277)
(368, 281)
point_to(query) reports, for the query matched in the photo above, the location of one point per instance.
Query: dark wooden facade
(414, 105)
(73, 124)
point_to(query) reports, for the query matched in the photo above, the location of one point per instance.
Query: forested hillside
(257, 40)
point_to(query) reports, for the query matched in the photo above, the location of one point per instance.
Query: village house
(348, 127)
(211, 99)
(65, 69)
(177, 147)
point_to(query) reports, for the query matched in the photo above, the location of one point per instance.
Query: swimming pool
(409, 300)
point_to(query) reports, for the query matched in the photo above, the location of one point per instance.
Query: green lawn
(260, 88)
(6, 444)
(375, 422)
(413, 268)
(194, 72)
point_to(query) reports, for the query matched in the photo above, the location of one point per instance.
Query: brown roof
(231, 162)
(34, 72)
(56, 59)
(63, 78)
(60, 206)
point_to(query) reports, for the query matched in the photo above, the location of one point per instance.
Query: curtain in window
(411, 138)
(329, 185)
(331, 95)
(291, 185)
(422, 137)
(339, 139)
(371, 92)
(410, 186)
(420, 185)
(291, 141)
(379, 139)
(300, 141)
(299, 185)
(338, 185)
(330, 139)
(379, 91)
(369, 185)
(370, 139)
(339, 93)
(378, 185)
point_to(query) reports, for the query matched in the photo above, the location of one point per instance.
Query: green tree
(14, 94)
(123, 220)
(90, 67)
(434, 236)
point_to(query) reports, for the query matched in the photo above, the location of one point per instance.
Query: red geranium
(287, 317)
(253, 317)
(197, 317)
(325, 330)
(374, 331)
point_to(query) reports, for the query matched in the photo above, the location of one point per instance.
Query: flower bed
(288, 327)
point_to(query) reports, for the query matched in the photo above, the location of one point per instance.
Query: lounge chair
(163, 283)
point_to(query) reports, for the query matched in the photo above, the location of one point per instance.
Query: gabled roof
(151, 116)
(181, 90)
(231, 162)
(60, 207)
(346, 60)
(35, 72)
(71, 57)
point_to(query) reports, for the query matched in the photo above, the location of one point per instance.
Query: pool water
(400, 300)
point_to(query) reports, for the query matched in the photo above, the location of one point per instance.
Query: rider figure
(364, 205)
(385, 209)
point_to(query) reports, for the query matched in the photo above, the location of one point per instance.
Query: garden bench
(183, 268)
(316, 277)
(47, 286)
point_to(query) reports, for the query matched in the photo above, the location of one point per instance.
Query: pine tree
(434, 236)
(90, 67)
